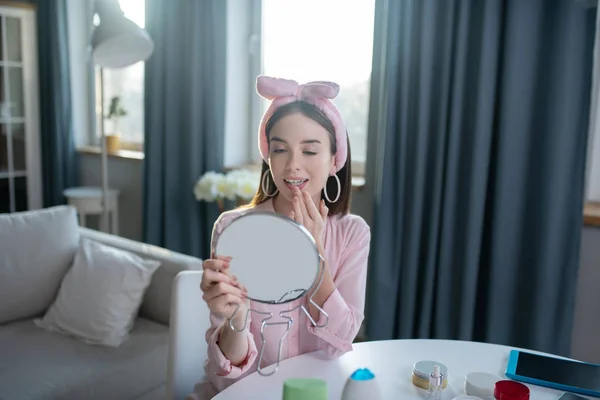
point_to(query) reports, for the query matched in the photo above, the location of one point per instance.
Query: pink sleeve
(345, 305)
(218, 367)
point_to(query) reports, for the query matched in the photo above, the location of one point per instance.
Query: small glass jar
(423, 369)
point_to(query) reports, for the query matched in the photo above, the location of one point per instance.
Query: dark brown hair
(342, 206)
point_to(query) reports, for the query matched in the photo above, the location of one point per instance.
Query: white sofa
(38, 364)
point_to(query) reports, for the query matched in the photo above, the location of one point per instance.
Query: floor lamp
(116, 42)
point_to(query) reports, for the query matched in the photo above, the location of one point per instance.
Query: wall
(586, 345)
(126, 176)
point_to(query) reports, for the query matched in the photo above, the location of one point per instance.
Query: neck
(281, 205)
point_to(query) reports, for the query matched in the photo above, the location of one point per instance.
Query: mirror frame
(284, 319)
(318, 258)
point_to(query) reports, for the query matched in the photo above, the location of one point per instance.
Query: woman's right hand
(222, 291)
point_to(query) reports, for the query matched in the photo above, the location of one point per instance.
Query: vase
(113, 143)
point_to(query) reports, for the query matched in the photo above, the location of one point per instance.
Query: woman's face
(300, 156)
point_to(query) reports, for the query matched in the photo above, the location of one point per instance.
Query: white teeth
(295, 182)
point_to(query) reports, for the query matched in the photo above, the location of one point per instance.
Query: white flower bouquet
(238, 185)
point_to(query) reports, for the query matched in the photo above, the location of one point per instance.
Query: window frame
(256, 68)
(94, 136)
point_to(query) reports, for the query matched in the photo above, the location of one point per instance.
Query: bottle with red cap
(510, 390)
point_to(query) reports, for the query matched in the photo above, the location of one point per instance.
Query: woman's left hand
(308, 214)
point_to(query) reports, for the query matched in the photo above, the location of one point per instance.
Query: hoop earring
(264, 186)
(339, 191)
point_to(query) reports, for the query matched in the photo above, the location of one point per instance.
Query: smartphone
(555, 373)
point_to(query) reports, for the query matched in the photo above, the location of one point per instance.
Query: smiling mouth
(295, 182)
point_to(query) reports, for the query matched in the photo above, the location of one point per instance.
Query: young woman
(305, 175)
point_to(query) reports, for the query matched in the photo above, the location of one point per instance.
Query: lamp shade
(118, 42)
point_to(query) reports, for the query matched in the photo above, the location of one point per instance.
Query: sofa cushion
(37, 364)
(100, 296)
(157, 300)
(36, 250)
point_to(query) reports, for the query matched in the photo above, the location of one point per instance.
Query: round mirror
(274, 257)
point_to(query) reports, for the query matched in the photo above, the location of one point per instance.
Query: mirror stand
(288, 320)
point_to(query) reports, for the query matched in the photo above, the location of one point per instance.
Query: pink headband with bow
(319, 93)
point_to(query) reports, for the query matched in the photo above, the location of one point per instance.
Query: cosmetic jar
(362, 385)
(481, 384)
(305, 389)
(510, 390)
(423, 369)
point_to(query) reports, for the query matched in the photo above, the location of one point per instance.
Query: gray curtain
(59, 159)
(184, 120)
(480, 111)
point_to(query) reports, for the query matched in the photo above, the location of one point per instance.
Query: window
(331, 40)
(128, 85)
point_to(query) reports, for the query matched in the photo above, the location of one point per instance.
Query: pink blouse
(346, 243)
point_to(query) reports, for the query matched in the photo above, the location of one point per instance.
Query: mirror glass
(274, 257)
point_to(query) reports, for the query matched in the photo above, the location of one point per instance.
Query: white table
(88, 201)
(391, 362)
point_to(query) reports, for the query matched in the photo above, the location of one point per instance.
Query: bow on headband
(271, 88)
(318, 93)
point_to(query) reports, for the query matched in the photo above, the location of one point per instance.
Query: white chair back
(190, 319)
